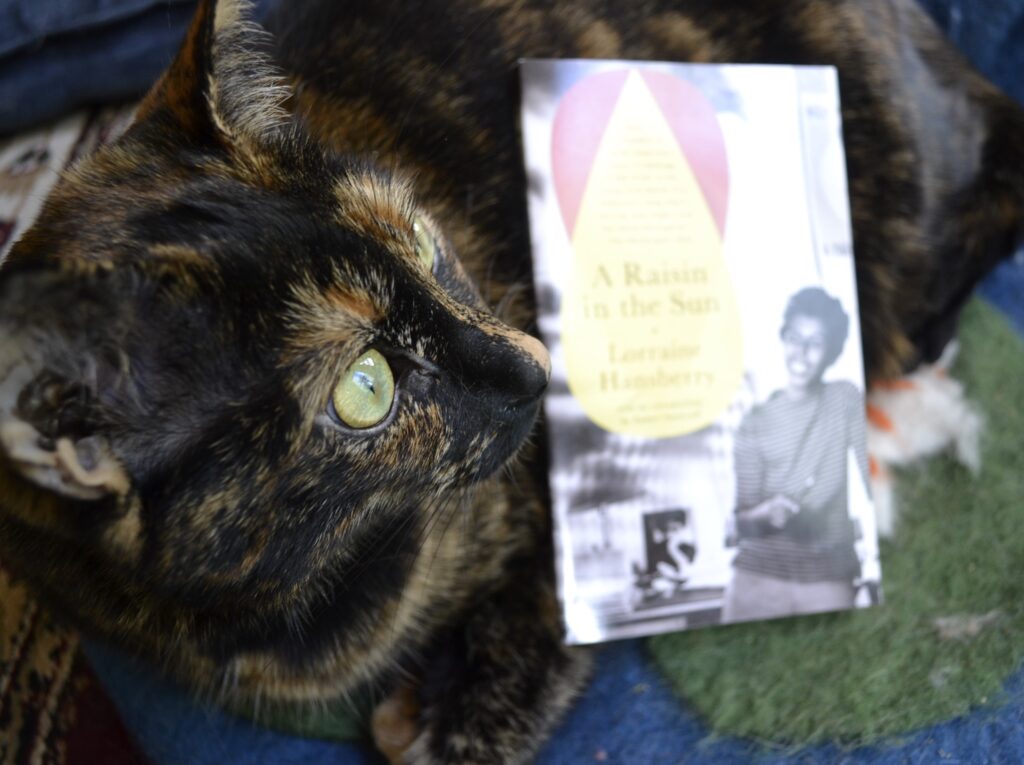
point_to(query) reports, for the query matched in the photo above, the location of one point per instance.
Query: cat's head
(236, 368)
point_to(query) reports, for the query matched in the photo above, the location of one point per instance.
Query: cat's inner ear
(222, 81)
(74, 465)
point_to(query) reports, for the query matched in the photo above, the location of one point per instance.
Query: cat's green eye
(426, 245)
(364, 395)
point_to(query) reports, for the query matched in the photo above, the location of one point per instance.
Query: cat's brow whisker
(512, 294)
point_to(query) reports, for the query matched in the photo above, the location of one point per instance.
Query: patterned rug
(53, 710)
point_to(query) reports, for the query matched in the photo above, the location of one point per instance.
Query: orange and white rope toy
(916, 417)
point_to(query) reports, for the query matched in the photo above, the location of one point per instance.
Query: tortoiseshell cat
(256, 412)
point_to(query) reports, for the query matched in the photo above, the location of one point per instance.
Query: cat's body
(925, 187)
(174, 475)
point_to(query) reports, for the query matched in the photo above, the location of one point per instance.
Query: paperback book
(695, 282)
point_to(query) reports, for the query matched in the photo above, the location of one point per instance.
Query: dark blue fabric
(104, 64)
(1005, 289)
(58, 55)
(173, 729)
(31, 23)
(990, 33)
(628, 716)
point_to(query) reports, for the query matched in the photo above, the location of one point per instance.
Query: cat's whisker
(367, 555)
(257, 704)
(466, 516)
(507, 301)
(228, 686)
(446, 510)
(441, 507)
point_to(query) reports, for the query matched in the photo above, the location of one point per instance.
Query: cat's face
(235, 366)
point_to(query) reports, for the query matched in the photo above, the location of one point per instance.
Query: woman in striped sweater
(796, 540)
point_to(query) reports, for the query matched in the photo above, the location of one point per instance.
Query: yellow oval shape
(651, 330)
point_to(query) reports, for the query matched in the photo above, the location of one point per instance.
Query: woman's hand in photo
(774, 512)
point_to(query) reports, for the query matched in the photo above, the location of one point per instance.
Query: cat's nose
(506, 361)
(533, 373)
(535, 349)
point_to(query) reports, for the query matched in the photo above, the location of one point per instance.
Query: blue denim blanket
(57, 55)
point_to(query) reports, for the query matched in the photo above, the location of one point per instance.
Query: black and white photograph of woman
(796, 540)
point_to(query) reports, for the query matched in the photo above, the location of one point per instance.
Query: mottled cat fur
(174, 323)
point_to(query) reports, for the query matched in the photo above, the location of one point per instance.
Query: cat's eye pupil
(426, 246)
(366, 391)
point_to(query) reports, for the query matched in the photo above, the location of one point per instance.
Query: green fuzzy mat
(952, 627)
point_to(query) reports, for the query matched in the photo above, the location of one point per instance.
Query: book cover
(694, 272)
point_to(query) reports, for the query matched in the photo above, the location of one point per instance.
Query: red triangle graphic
(580, 122)
(695, 125)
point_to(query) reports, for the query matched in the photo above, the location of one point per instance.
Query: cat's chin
(505, 441)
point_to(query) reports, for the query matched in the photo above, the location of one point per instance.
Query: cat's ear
(76, 466)
(221, 81)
